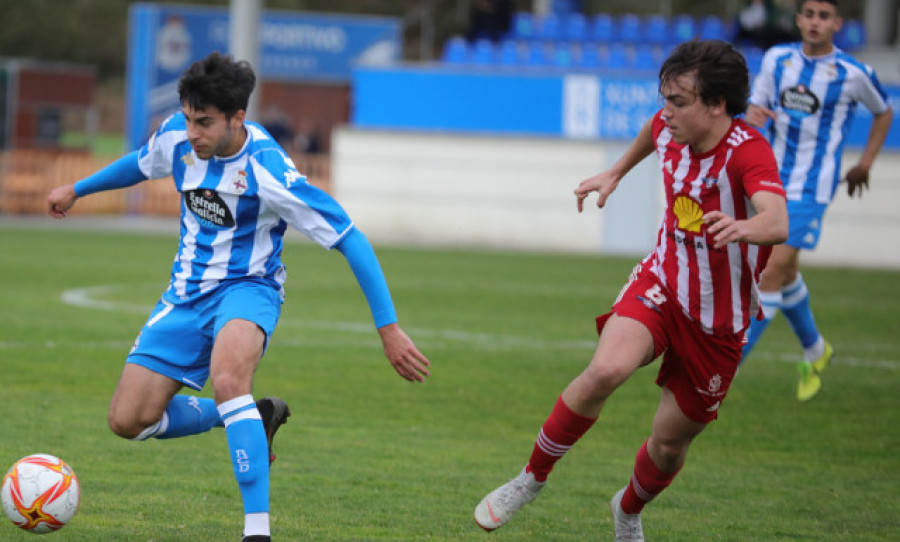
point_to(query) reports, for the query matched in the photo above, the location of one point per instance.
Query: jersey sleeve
(754, 164)
(763, 92)
(303, 206)
(155, 157)
(871, 93)
(122, 173)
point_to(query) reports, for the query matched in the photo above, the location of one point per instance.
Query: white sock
(815, 351)
(257, 523)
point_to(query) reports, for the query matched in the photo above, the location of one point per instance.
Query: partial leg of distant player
(782, 287)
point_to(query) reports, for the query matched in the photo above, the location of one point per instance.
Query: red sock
(646, 483)
(561, 430)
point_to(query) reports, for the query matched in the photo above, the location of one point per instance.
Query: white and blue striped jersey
(235, 210)
(814, 100)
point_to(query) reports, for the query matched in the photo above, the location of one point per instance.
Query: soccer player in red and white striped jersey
(691, 299)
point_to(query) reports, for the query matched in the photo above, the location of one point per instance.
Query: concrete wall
(516, 193)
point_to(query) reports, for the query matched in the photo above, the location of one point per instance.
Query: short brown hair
(719, 69)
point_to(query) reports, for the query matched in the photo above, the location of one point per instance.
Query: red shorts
(697, 366)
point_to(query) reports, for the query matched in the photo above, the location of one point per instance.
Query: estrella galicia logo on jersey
(799, 100)
(209, 207)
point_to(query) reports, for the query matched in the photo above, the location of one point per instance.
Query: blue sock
(249, 452)
(798, 313)
(187, 415)
(770, 303)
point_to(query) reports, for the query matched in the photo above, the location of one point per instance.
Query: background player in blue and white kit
(810, 91)
(240, 192)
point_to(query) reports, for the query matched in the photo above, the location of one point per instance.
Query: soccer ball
(40, 493)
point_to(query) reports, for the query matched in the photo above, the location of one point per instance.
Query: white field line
(87, 298)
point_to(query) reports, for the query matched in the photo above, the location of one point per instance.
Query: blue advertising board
(540, 102)
(294, 46)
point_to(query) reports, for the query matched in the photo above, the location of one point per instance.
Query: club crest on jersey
(799, 100)
(710, 181)
(239, 183)
(209, 207)
(188, 159)
(689, 213)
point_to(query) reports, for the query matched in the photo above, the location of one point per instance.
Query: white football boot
(498, 507)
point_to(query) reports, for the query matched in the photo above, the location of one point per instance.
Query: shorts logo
(715, 383)
(209, 207)
(137, 341)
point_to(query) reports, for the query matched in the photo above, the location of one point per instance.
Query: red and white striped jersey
(714, 287)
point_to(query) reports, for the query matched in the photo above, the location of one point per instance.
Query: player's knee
(601, 380)
(130, 428)
(227, 385)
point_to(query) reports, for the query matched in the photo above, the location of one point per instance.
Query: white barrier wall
(414, 188)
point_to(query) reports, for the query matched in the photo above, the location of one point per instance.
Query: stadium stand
(852, 36)
(606, 41)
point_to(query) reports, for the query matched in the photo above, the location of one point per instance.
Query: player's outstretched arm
(122, 173)
(604, 183)
(60, 200)
(399, 349)
(405, 358)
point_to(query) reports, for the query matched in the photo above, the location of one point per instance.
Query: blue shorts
(177, 339)
(805, 224)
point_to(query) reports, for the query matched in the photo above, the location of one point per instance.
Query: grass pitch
(368, 456)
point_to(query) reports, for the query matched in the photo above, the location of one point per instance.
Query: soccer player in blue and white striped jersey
(810, 91)
(240, 192)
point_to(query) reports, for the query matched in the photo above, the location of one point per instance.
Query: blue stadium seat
(523, 26)
(753, 56)
(509, 54)
(590, 56)
(455, 51)
(538, 54)
(630, 28)
(575, 28)
(483, 52)
(712, 28)
(646, 57)
(683, 28)
(656, 29)
(603, 29)
(616, 56)
(549, 27)
(563, 54)
(852, 36)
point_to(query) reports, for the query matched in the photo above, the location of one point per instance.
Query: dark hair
(719, 69)
(217, 80)
(832, 2)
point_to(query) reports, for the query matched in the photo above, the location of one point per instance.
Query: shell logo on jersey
(209, 207)
(689, 213)
(799, 100)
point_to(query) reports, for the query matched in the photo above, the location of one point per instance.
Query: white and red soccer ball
(40, 493)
